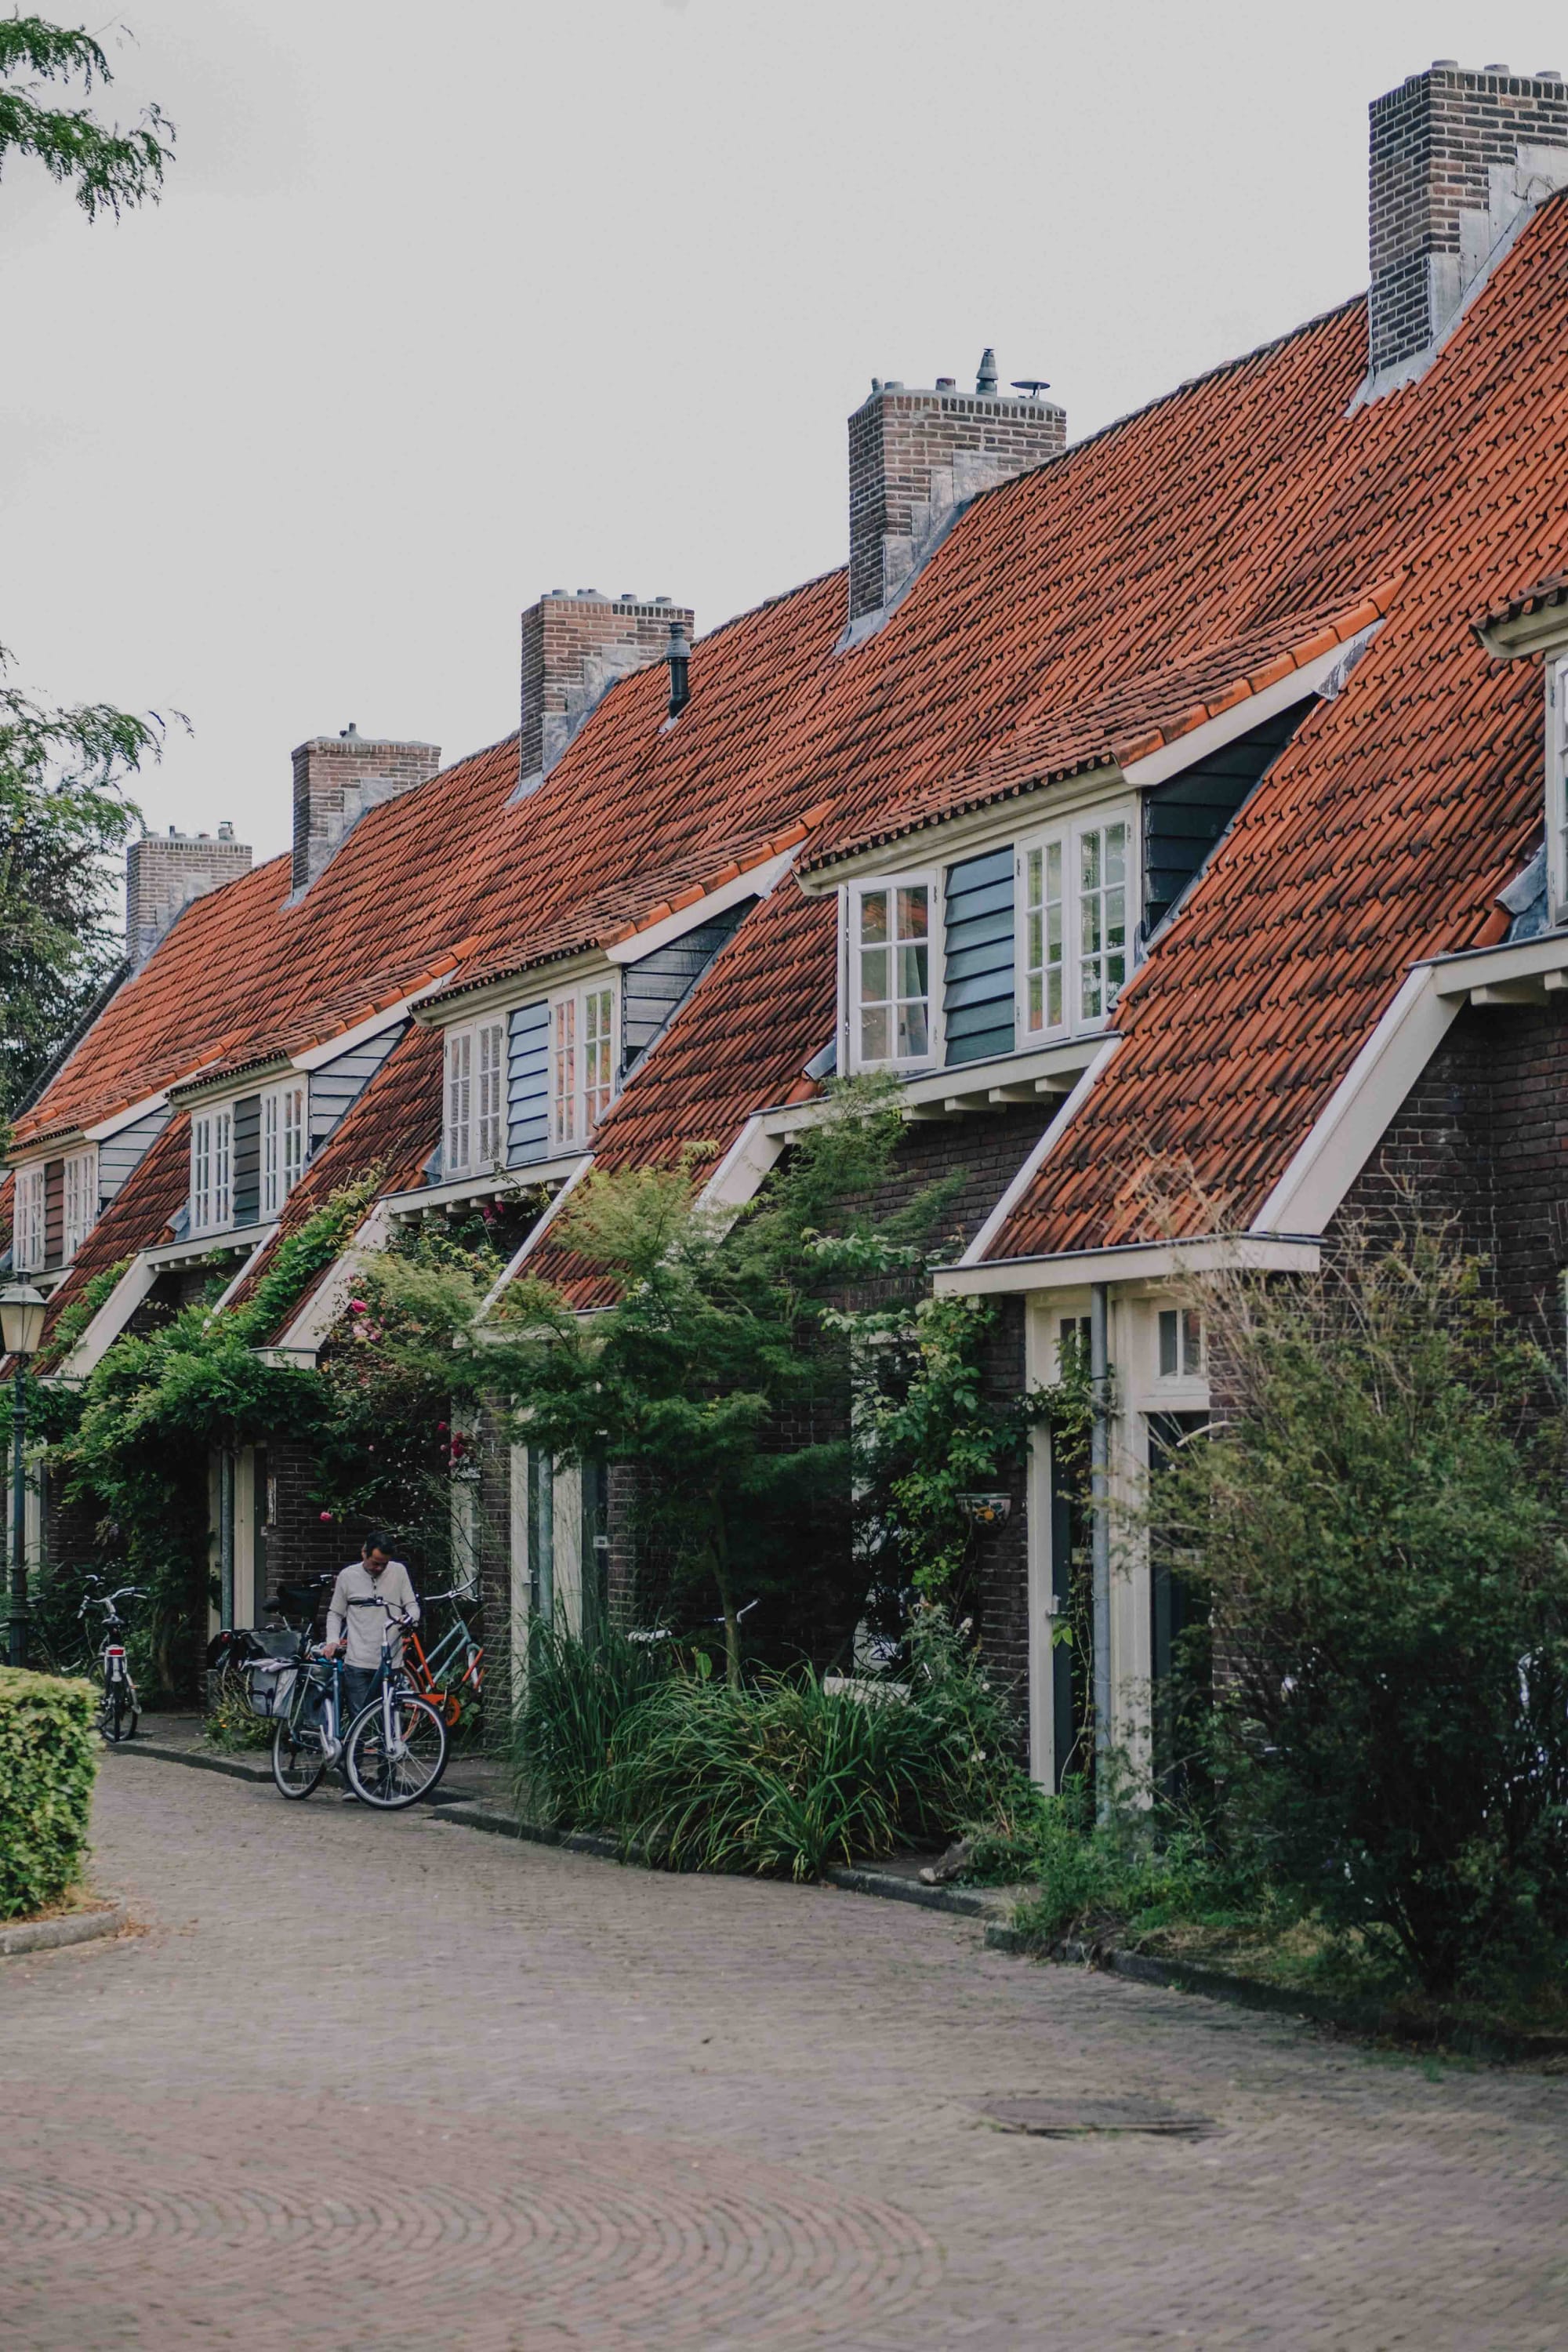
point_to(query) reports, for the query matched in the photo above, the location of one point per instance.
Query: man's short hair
(377, 1540)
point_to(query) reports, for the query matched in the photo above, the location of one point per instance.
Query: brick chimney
(916, 458)
(1459, 158)
(574, 650)
(337, 777)
(164, 871)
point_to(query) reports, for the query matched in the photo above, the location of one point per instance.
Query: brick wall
(164, 871)
(337, 777)
(1435, 142)
(913, 457)
(1483, 1139)
(574, 650)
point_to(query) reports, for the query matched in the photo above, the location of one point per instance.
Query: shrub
(781, 1776)
(47, 1760)
(1378, 1534)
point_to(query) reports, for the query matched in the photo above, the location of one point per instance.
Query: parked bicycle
(393, 1751)
(448, 1674)
(119, 1708)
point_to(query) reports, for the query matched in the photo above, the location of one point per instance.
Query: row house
(1184, 803)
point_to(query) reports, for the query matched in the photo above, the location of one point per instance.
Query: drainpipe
(1099, 1537)
(226, 1537)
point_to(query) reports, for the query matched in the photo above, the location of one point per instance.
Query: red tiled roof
(761, 1009)
(136, 1218)
(1383, 833)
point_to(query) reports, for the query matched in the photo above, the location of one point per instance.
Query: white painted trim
(302, 1338)
(493, 1185)
(536, 1234)
(316, 1057)
(1348, 1130)
(1215, 733)
(109, 1320)
(1036, 1159)
(756, 884)
(1456, 976)
(224, 1297)
(196, 1246)
(1136, 1261)
(106, 1128)
(743, 1168)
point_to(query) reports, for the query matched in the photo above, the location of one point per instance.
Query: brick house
(1187, 795)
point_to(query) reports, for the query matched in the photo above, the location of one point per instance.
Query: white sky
(446, 306)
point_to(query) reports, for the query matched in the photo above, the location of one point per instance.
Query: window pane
(1191, 1340)
(914, 1037)
(1037, 1002)
(1167, 1342)
(912, 970)
(1091, 937)
(1115, 854)
(1034, 863)
(1089, 862)
(1037, 942)
(1054, 870)
(1053, 999)
(1088, 994)
(874, 915)
(873, 975)
(912, 911)
(874, 1045)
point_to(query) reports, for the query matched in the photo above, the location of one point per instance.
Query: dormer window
(475, 1134)
(1077, 887)
(80, 1209)
(27, 1231)
(890, 963)
(583, 1057)
(212, 1169)
(283, 1117)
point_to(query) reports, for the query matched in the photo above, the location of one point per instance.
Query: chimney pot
(986, 381)
(226, 831)
(1495, 69)
(592, 593)
(679, 659)
(947, 383)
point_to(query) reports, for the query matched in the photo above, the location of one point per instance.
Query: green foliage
(1378, 1536)
(781, 1776)
(77, 1313)
(231, 1723)
(138, 1436)
(48, 1756)
(719, 1374)
(1126, 1877)
(62, 813)
(112, 168)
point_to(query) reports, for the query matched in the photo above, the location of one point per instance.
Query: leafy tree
(720, 1376)
(62, 813)
(1378, 1530)
(112, 168)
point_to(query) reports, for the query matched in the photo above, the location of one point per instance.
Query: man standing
(355, 1635)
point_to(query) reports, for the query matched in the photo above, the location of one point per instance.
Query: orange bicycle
(451, 1675)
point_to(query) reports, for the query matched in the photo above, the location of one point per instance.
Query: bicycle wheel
(297, 1759)
(117, 1714)
(392, 1777)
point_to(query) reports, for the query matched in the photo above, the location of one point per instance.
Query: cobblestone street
(399, 2084)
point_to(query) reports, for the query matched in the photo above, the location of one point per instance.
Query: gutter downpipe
(1099, 1537)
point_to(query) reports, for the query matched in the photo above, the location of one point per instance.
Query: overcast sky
(447, 306)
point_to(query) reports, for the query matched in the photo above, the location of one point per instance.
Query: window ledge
(169, 1256)
(1523, 971)
(971, 1086)
(493, 1185)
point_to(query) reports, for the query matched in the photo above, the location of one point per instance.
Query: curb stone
(48, 1935)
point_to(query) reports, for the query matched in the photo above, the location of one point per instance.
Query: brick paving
(395, 2084)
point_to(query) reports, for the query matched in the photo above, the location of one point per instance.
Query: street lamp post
(22, 1310)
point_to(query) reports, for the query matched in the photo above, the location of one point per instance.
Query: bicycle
(396, 1751)
(305, 1738)
(120, 1708)
(431, 1672)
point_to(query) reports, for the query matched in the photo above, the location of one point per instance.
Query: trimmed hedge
(48, 1757)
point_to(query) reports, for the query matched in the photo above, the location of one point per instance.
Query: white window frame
(1557, 786)
(212, 1169)
(79, 1200)
(28, 1211)
(926, 879)
(476, 1054)
(1068, 838)
(285, 1123)
(584, 1032)
(1179, 1333)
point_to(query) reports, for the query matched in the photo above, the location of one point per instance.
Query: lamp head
(22, 1312)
